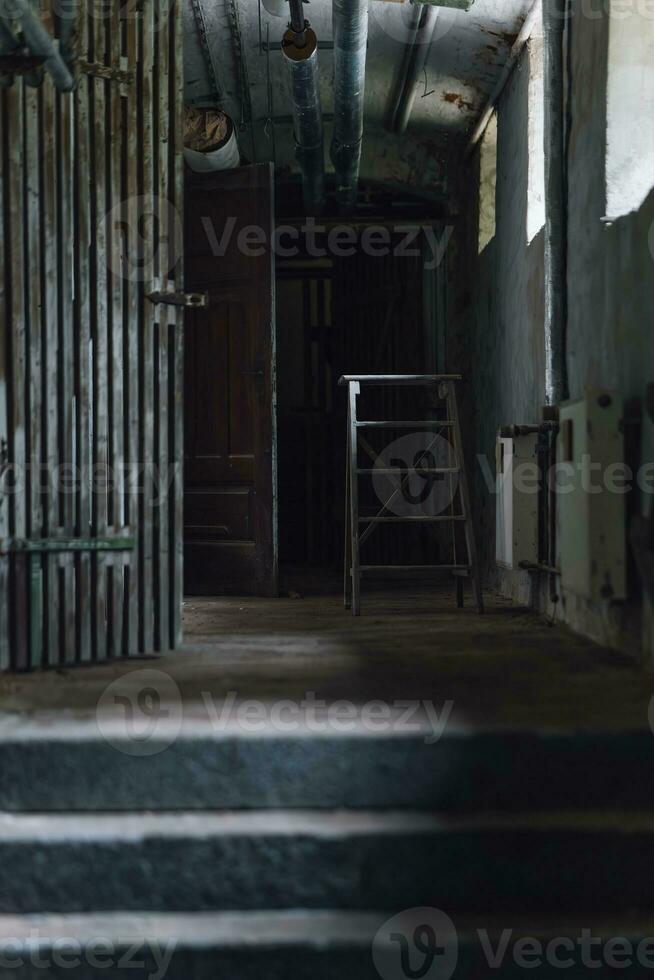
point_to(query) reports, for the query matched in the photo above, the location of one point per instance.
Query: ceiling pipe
(350, 46)
(421, 35)
(300, 48)
(556, 375)
(42, 44)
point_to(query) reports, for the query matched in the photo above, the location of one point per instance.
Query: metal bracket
(98, 70)
(193, 300)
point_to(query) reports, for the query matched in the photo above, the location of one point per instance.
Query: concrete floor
(509, 668)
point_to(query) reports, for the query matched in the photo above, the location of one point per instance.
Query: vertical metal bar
(146, 366)
(475, 573)
(67, 370)
(132, 149)
(4, 427)
(16, 323)
(347, 570)
(177, 391)
(83, 405)
(33, 227)
(354, 389)
(100, 353)
(115, 329)
(162, 536)
(50, 324)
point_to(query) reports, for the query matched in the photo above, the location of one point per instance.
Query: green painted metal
(50, 545)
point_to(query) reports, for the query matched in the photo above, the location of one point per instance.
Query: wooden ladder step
(411, 520)
(425, 424)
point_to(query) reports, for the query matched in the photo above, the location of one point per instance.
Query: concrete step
(305, 945)
(69, 765)
(540, 863)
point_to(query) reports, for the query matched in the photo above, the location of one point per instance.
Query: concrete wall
(498, 302)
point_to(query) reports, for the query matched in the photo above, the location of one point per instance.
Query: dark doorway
(343, 314)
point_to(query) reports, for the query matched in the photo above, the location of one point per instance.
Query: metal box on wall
(591, 513)
(516, 514)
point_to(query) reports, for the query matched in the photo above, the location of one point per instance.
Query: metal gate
(90, 367)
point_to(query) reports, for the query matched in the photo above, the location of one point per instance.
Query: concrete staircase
(234, 857)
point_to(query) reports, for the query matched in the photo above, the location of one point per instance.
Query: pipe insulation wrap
(307, 115)
(350, 45)
(556, 381)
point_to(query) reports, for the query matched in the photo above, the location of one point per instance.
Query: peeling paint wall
(498, 303)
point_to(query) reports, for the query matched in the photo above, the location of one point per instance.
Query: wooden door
(230, 534)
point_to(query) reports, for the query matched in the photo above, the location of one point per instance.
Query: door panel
(230, 507)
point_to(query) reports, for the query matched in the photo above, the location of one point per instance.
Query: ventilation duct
(350, 43)
(300, 47)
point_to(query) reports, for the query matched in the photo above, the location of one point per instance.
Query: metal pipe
(556, 380)
(302, 61)
(350, 44)
(421, 34)
(298, 23)
(532, 20)
(39, 41)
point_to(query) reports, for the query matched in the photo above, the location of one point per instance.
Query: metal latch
(195, 300)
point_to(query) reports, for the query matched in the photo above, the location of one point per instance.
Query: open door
(230, 513)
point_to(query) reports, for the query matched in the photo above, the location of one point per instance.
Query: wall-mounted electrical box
(516, 514)
(590, 498)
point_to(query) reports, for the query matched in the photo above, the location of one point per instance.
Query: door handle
(253, 374)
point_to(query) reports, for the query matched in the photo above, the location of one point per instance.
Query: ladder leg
(354, 499)
(459, 592)
(347, 570)
(475, 575)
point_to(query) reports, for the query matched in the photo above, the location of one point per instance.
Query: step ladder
(358, 529)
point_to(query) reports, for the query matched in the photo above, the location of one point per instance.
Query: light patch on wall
(630, 108)
(536, 177)
(487, 184)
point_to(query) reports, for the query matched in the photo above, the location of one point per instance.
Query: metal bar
(177, 379)
(163, 251)
(420, 470)
(401, 569)
(131, 149)
(51, 546)
(426, 424)
(411, 519)
(146, 340)
(17, 370)
(398, 379)
(84, 182)
(465, 500)
(35, 367)
(66, 245)
(354, 499)
(115, 335)
(100, 330)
